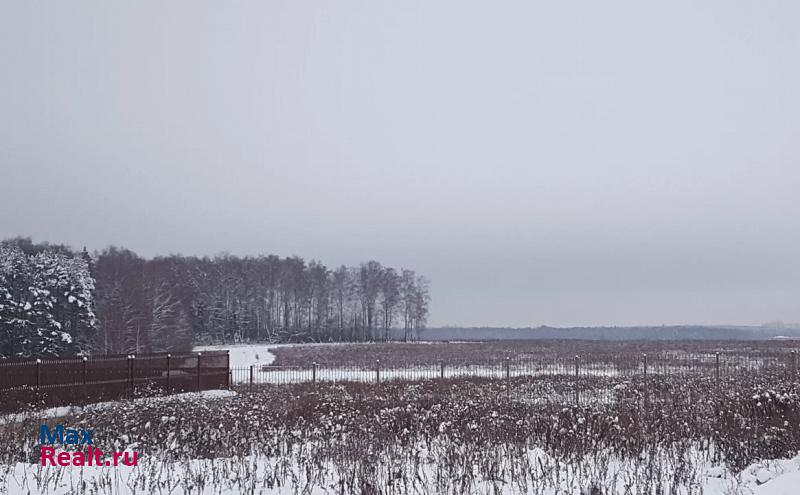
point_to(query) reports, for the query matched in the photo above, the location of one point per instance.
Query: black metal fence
(577, 378)
(54, 382)
(556, 379)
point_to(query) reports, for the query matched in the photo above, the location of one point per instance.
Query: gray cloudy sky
(563, 163)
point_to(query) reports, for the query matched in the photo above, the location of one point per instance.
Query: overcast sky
(562, 163)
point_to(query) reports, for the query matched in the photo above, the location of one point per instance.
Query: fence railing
(598, 376)
(569, 379)
(53, 382)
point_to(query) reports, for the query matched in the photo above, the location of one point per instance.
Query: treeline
(135, 305)
(671, 332)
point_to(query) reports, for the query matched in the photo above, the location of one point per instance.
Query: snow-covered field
(60, 412)
(243, 356)
(293, 374)
(317, 447)
(258, 473)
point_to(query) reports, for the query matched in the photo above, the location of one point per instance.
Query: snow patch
(25, 478)
(243, 355)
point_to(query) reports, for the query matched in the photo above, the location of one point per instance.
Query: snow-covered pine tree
(17, 313)
(71, 287)
(47, 304)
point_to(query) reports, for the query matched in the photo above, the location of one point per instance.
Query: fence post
(646, 387)
(228, 366)
(198, 370)
(794, 363)
(129, 376)
(508, 368)
(169, 370)
(38, 378)
(717, 367)
(313, 372)
(441, 371)
(644, 359)
(252, 369)
(377, 371)
(133, 374)
(84, 373)
(577, 373)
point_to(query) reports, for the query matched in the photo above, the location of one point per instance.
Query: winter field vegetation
(661, 434)
(288, 363)
(399, 354)
(546, 417)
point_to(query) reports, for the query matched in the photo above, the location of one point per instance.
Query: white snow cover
(780, 477)
(243, 355)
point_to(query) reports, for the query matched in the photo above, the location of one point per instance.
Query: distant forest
(672, 332)
(58, 302)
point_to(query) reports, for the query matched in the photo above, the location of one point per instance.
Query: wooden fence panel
(55, 382)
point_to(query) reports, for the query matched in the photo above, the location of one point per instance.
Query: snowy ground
(296, 374)
(60, 412)
(243, 355)
(779, 477)
(255, 474)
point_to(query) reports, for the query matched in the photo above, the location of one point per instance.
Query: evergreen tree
(47, 304)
